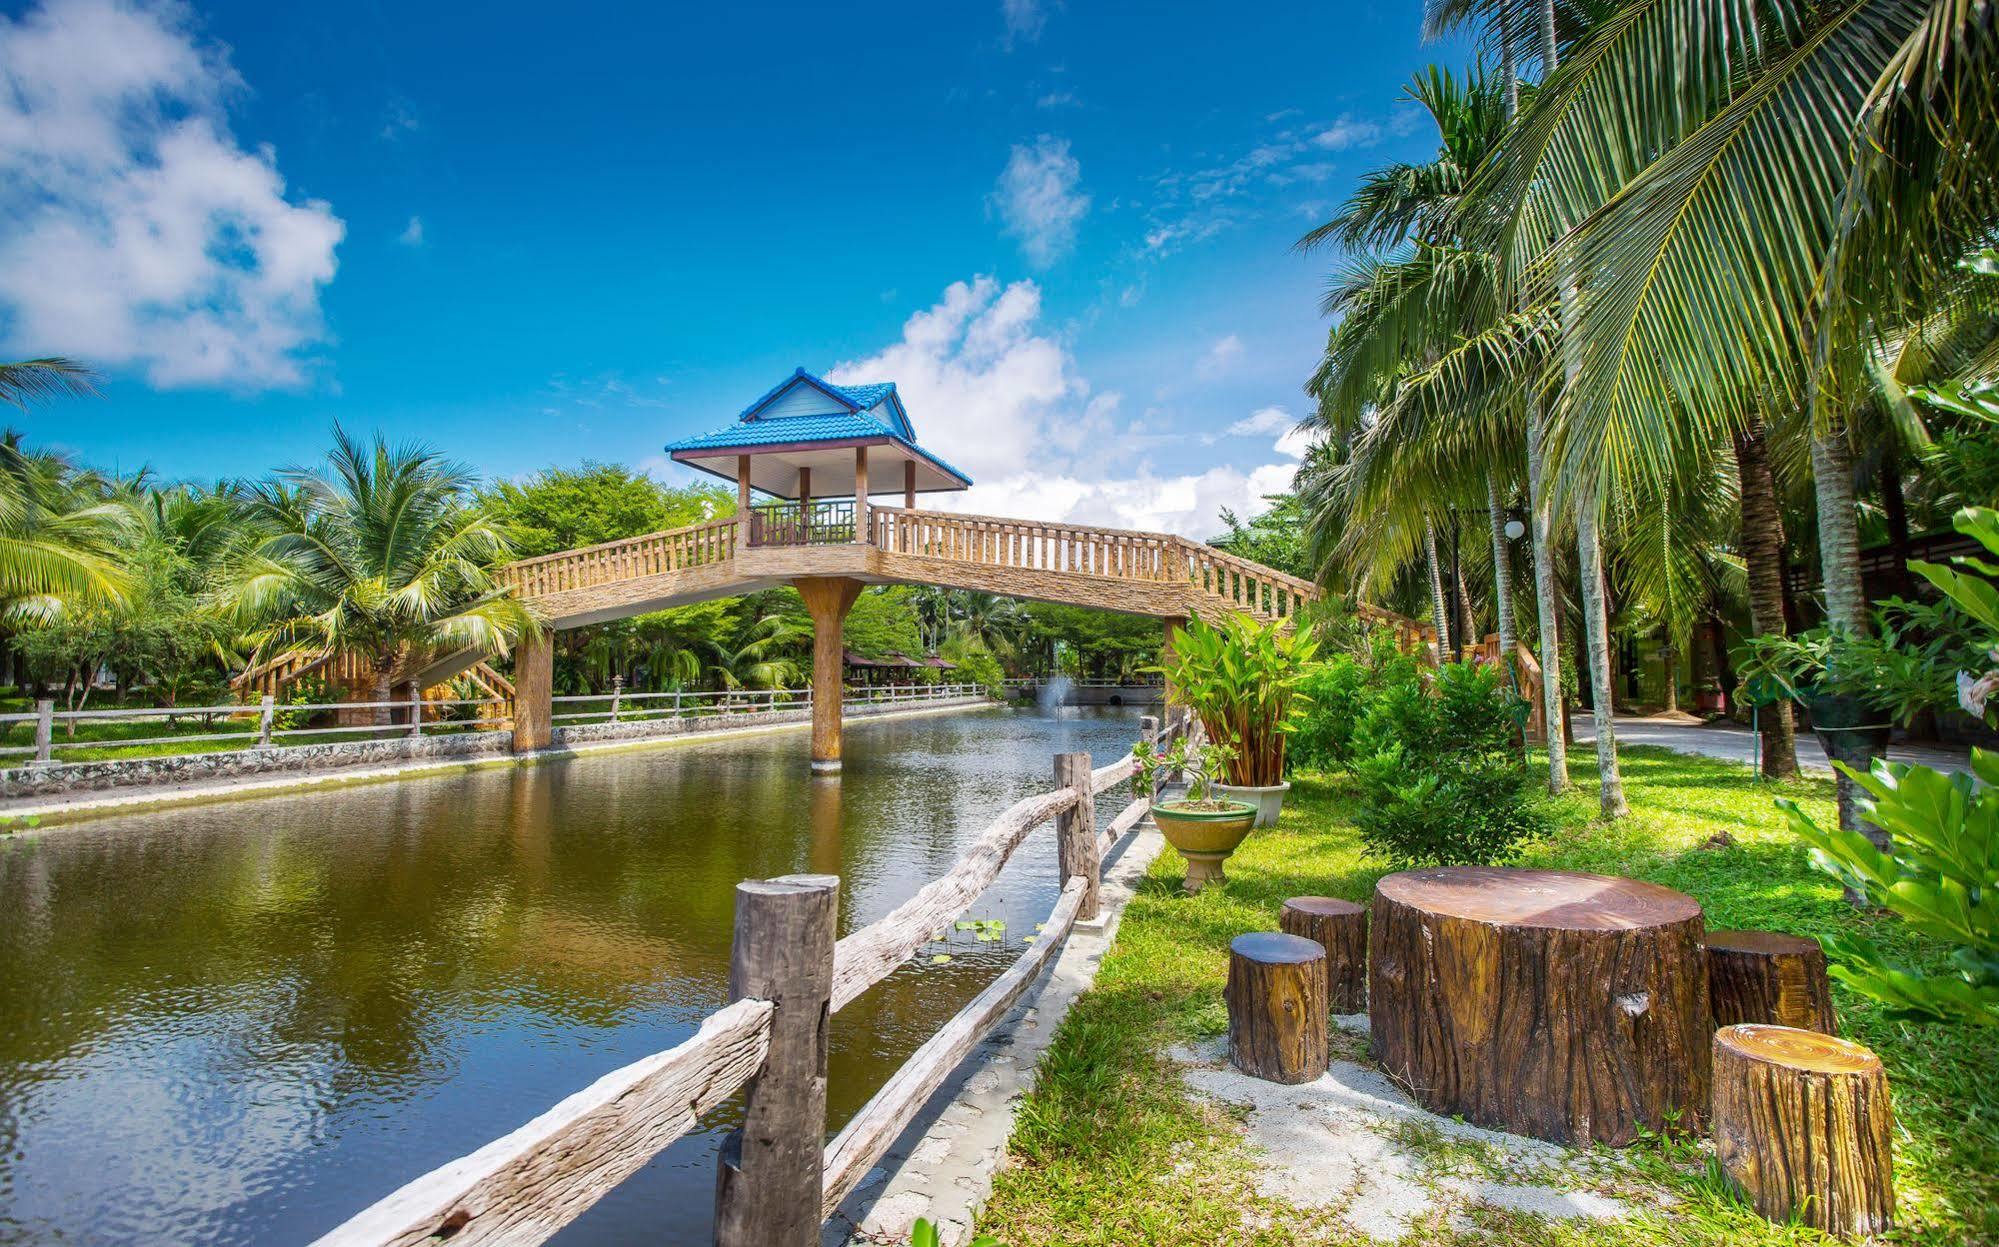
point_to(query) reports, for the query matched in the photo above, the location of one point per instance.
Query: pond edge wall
(62, 779)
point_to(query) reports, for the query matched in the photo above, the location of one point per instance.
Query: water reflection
(238, 1023)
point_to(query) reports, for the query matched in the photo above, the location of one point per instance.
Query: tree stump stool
(1765, 977)
(1565, 1006)
(1277, 1007)
(1341, 927)
(1803, 1126)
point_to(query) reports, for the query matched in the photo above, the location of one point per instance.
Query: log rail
(526, 1185)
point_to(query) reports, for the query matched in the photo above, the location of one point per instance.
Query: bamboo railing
(777, 1186)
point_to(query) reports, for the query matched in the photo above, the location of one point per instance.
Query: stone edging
(943, 1164)
(183, 784)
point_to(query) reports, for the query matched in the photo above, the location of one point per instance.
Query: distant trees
(382, 553)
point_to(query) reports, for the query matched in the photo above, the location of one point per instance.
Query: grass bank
(1108, 1149)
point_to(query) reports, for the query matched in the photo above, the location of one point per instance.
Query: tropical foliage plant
(379, 553)
(1242, 678)
(1435, 774)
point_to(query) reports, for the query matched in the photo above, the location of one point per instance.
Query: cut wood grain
(871, 954)
(1802, 1125)
(1770, 978)
(870, 1131)
(1276, 998)
(1565, 1006)
(1341, 927)
(524, 1186)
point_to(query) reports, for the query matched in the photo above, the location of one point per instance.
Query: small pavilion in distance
(819, 450)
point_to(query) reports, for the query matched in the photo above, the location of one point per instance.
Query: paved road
(1737, 744)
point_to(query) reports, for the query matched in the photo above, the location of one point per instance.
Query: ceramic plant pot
(1205, 837)
(1268, 799)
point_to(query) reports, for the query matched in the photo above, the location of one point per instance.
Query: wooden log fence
(777, 1183)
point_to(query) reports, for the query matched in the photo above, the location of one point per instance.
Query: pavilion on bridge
(820, 449)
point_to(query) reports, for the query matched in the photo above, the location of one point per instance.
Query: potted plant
(1203, 827)
(1836, 679)
(1242, 680)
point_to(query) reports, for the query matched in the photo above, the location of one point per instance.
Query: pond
(243, 1022)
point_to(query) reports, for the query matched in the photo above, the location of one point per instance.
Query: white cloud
(993, 393)
(1262, 423)
(1024, 20)
(400, 119)
(1037, 199)
(1223, 355)
(412, 235)
(134, 228)
(1057, 99)
(1346, 133)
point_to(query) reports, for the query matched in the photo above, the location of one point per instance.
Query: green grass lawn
(1108, 1149)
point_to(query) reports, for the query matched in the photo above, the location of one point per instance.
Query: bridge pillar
(1172, 627)
(534, 685)
(827, 599)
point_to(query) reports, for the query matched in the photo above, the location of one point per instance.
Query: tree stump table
(1341, 927)
(1765, 977)
(1569, 1007)
(1803, 1126)
(1277, 1007)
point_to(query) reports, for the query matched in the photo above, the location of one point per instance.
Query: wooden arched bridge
(1160, 575)
(818, 452)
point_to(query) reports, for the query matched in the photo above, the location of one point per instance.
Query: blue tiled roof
(874, 417)
(866, 396)
(789, 429)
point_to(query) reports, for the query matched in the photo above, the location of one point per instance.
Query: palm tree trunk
(1547, 607)
(1438, 617)
(1669, 661)
(1845, 598)
(383, 692)
(1502, 572)
(1596, 634)
(1763, 559)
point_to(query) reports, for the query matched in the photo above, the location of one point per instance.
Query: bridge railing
(676, 549)
(776, 1191)
(996, 542)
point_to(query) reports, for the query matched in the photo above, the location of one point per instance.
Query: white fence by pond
(778, 1182)
(275, 725)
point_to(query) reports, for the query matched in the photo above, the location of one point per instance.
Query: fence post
(617, 692)
(45, 729)
(771, 1176)
(1076, 831)
(267, 712)
(1148, 731)
(416, 709)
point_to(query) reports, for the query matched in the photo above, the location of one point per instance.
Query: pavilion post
(861, 533)
(742, 502)
(805, 505)
(827, 600)
(909, 484)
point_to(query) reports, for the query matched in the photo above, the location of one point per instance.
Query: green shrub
(1436, 775)
(1338, 692)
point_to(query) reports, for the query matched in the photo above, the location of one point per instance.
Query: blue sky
(534, 234)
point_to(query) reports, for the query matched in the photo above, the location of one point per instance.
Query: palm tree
(381, 554)
(764, 658)
(41, 379)
(1738, 199)
(60, 531)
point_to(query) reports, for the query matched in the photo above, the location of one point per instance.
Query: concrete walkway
(1734, 743)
